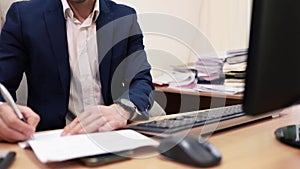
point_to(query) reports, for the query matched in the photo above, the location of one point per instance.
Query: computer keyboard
(186, 121)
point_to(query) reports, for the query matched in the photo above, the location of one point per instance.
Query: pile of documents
(234, 68)
(220, 72)
(210, 68)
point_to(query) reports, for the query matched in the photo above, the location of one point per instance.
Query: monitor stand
(289, 135)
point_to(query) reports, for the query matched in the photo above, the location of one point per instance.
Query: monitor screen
(273, 70)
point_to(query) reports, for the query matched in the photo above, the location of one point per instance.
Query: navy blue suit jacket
(33, 40)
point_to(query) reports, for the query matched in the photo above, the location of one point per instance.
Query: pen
(8, 98)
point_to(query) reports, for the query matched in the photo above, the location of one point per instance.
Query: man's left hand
(98, 118)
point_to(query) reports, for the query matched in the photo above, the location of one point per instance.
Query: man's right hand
(12, 129)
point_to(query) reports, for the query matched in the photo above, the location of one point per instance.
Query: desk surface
(208, 94)
(246, 147)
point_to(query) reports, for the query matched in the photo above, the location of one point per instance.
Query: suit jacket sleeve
(131, 78)
(12, 52)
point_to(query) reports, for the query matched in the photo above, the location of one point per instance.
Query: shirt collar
(69, 13)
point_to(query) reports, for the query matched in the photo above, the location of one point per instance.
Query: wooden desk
(246, 147)
(175, 101)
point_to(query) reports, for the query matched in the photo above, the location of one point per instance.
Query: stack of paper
(236, 61)
(235, 82)
(175, 77)
(209, 69)
(222, 89)
(235, 67)
(50, 147)
(237, 52)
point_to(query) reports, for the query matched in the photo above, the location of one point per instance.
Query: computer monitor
(273, 70)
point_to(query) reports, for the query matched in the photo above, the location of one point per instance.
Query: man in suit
(82, 58)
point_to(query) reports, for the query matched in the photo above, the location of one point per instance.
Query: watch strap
(131, 109)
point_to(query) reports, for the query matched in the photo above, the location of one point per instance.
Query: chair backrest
(22, 92)
(156, 110)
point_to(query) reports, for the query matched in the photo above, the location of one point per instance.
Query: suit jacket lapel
(105, 43)
(56, 26)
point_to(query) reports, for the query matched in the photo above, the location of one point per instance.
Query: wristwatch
(128, 106)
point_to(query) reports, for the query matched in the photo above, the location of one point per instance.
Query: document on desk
(50, 147)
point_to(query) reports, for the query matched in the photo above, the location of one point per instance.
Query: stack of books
(234, 67)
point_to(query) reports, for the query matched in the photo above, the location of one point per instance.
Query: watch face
(128, 105)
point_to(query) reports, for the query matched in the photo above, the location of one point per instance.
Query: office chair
(156, 110)
(22, 92)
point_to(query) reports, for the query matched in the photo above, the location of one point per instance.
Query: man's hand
(12, 129)
(98, 118)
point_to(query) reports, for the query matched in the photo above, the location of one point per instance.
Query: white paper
(175, 77)
(223, 89)
(53, 134)
(50, 147)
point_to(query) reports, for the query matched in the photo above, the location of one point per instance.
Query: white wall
(223, 22)
(4, 5)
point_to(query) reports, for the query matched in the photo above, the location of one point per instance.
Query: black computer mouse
(190, 150)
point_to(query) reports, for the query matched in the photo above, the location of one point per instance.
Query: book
(236, 52)
(236, 59)
(234, 67)
(51, 147)
(235, 74)
(235, 82)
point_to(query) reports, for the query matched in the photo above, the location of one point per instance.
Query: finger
(33, 121)
(89, 119)
(88, 125)
(107, 127)
(32, 118)
(68, 127)
(73, 128)
(87, 113)
(22, 127)
(11, 135)
(94, 125)
(14, 123)
(76, 130)
(86, 119)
